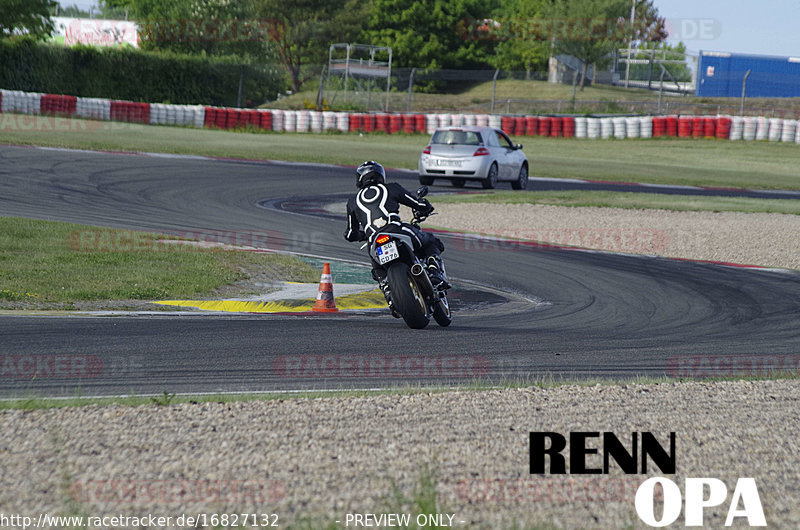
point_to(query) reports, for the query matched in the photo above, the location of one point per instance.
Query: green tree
(26, 16)
(303, 30)
(589, 30)
(521, 46)
(430, 33)
(212, 27)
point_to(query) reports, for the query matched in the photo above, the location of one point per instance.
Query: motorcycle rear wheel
(441, 312)
(407, 297)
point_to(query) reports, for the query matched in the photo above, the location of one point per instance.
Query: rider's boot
(437, 273)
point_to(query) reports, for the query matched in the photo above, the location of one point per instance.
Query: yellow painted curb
(369, 300)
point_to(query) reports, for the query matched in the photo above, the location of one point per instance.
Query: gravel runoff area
(766, 239)
(319, 459)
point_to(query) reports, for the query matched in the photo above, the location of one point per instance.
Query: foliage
(431, 33)
(303, 30)
(678, 71)
(26, 16)
(130, 74)
(519, 48)
(592, 30)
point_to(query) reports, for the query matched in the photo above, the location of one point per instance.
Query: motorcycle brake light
(481, 151)
(382, 239)
(427, 150)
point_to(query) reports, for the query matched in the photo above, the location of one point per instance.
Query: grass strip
(696, 162)
(33, 402)
(53, 264)
(612, 199)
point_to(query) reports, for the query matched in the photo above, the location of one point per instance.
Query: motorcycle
(410, 292)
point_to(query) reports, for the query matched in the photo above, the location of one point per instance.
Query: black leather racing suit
(376, 208)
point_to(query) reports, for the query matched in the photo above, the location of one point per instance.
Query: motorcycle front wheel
(407, 297)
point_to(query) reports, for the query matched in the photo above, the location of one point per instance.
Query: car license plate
(387, 252)
(448, 163)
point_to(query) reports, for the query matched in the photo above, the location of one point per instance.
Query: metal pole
(744, 89)
(661, 88)
(388, 81)
(346, 72)
(241, 82)
(410, 86)
(494, 89)
(630, 44)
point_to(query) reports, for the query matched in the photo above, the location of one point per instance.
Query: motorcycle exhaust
(422, 279)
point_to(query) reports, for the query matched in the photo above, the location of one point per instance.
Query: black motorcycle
(410, 293)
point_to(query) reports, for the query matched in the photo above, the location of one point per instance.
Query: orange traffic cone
(325, 302)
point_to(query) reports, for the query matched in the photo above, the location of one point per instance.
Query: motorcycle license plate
(387, 252)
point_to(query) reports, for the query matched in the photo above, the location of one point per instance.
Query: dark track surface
(606, 315)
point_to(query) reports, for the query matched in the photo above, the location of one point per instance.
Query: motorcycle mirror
(422, 191)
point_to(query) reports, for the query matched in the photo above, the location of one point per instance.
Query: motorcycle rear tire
(407, 297)
(441, 312)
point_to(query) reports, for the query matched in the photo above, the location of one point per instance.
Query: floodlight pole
(494, 88)
(744, 89)
(630, 44)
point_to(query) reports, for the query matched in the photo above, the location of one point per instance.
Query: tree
(211, 27)
(303, 30)
(31, 17)
(520, 46)
(589, 30)
(429, 33)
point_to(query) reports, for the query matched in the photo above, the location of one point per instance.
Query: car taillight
(481, 151)
(382, 239)
(426, 151)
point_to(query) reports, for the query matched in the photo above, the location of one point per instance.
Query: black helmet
(368, 173)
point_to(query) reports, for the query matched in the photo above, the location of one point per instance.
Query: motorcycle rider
(375, 208)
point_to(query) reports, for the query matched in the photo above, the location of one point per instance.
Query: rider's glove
(427, 209)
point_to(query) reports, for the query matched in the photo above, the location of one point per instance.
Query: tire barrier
(96, 109)
(789, 131)
(21, 102)
(58, 105)
(685, 126)
(606, 128)
(619, 128)
(593, 128)
(724, 126)
(749, 128)
(734, 128)
(545, 125)
(762, 128)
(308, 121)
(775, 129)
(531, 125)
(645, 127)
(737, 128)
(633, 127)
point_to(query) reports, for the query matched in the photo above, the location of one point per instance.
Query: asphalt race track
(599, 314)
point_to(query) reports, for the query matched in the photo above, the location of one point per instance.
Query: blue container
(720, 74)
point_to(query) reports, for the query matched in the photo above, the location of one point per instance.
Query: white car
(483, 154)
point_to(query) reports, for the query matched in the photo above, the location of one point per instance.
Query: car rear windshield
(456, 138)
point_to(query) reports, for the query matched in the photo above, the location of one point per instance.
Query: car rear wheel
(491, 179)
(522, 180)
(458, 183)
(425, 181)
